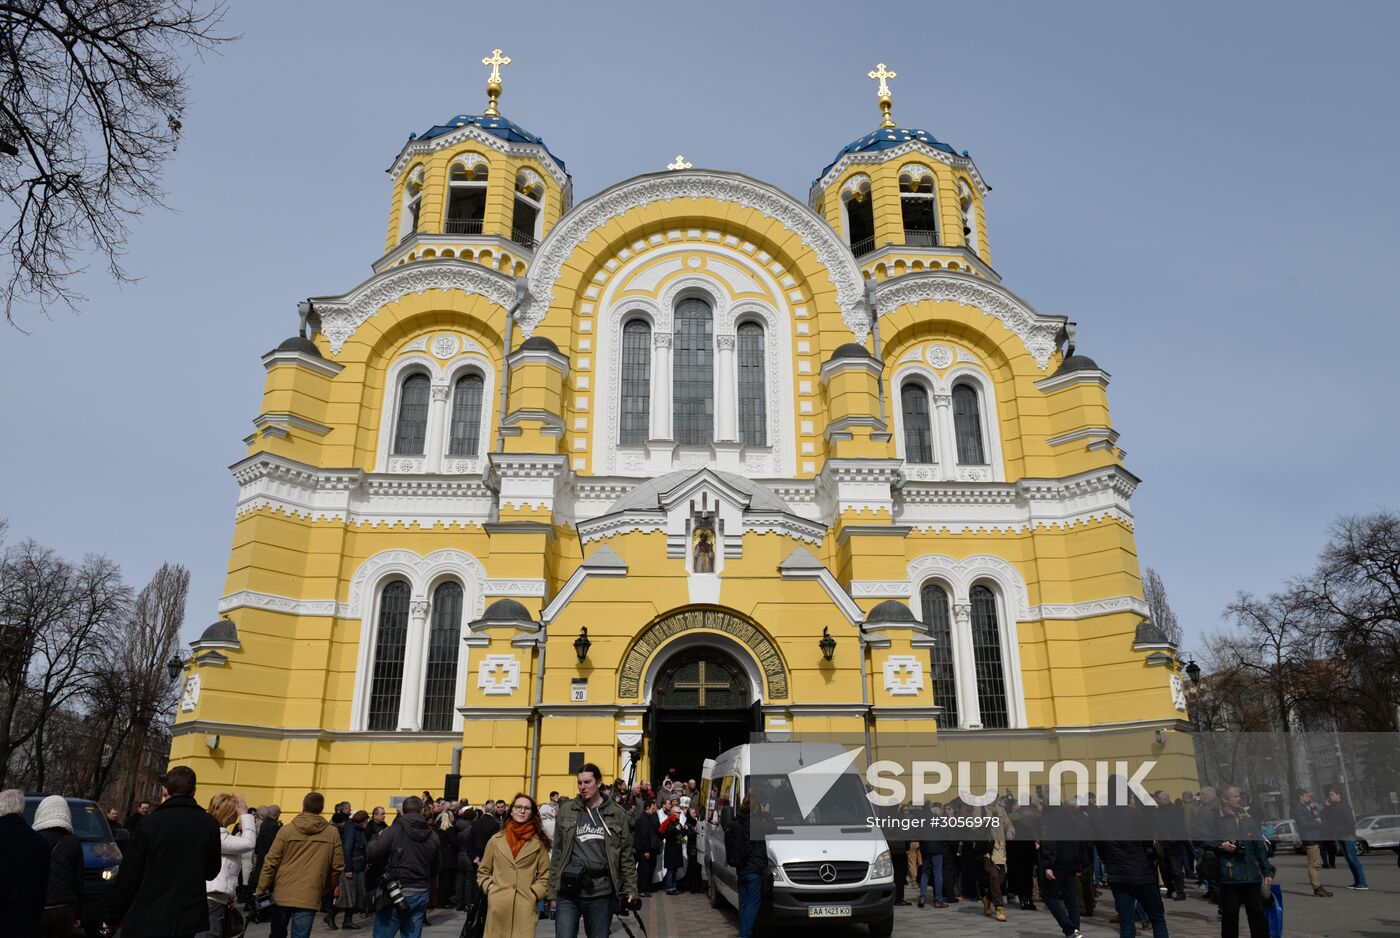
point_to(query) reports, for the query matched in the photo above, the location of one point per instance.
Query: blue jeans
(1061, 897)
(931, 862)
(595, 913)
(390, 922)
(1358, 875)
(669, 881)
(1126, 899)
(750, 897)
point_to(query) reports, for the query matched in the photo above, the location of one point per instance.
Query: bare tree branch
(1160, 610)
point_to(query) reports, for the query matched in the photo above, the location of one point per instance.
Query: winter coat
(517, 884)
(65, 860)
(1250, 863)
(1308, 823)
(352, 846)
(267, 833)
(410, 850)
(1170, 824)
(1129, 862)
(464, 848)
(1066, 840)
(1338, 821)
(24, 877)
(304, 864)
(483, 829)
(161, 881)
(617, 845)
(231, 850)
(672, 839)
(646, 837)
(549, 812)
(745, 842)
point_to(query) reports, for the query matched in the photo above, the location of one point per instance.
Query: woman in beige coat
(514, 872)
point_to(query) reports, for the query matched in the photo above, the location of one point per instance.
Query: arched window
(412, 428)
(986, 658)
(860, 216)
(636, 382)
(918, 430)
(529, 201)
(752, 397)
(444, 641)
(389, 640)
(466, 416)
(968, 206)
(412, 202)
(466, 195)
(940, 629)
(693, 388)
(916, 205)
(967, 426)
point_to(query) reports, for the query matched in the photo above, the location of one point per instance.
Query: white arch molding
(424, 574)
(710, 640)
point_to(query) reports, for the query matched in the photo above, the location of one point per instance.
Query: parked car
(101, 856)
(1377, 832)
(1285, 835)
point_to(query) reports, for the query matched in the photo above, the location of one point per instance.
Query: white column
(945, 451)
(726, 397)
(437, 428)
(661, 386)
(411, 694)
(965, 666)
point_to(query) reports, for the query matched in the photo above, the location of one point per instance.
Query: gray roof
(891, 610)
(222, 631)
(801, 559)
(507, 610)
(850, 350)
(538, 342)
(300, 343)
(1077, 363)
(1149, 633)
(647, 496)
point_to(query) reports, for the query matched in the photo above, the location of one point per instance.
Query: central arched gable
(702, 618)
(573, 229)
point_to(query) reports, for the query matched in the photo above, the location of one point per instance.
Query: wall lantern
(828, 644)
(1193, 671)
(174, 666)
(582, 644)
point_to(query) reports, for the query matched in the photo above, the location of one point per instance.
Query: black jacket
(1130, 862)
(483, 829)
(24, 877)
(412, 854)
(745, 842)
(646, 836)
(160, 886)
(65, 869)
(1170, 823)
(1066, 840)
(1338, 821)
(1307, 822)
(353, 845)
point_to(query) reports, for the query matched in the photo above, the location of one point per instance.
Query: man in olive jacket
(593, 860)
(304, 864)
(1234, 836)
(160, 886)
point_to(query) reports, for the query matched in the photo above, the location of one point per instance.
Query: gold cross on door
(701, 685)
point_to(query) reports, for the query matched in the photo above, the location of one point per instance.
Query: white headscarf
(53, 812)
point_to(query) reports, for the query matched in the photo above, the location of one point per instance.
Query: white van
(828, 862)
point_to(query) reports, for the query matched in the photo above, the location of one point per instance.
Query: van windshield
(844, 804)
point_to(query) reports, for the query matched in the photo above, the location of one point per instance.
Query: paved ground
(1372, 914)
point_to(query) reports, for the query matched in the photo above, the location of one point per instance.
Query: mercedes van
(828, 861)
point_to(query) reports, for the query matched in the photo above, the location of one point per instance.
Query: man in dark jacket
(746, 849)
(1065, 845)
(1339, 824)
(172, 854)
(1308, 822)
(646, 844)
(267, 833)
(134, 819)
(412, 857)
(24, 869)
(1123, 837)
(1171, 836)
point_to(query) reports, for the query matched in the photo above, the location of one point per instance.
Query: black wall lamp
(582, 644)
(828, 644)
(174, 666)
(1193, 671)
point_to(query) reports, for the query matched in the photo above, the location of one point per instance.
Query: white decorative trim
(473, 134)
(963, 574)
(443, 375)
(907, 664)
(303, 360)
(1072, 379)
(888, 589)
(531, 178)
(468, 161)
(1101, 494)
(342, 315)
(1037, 332)
(938, 356)
(829, 583)
(1089, 609)
(575, 227)
(249, 599)
(871, 157)
(940, 389)
(1178, 691)
(1089, 434)
(510, 587)
(445, 346)
(508, 667)
(858, 184)
(189, 694)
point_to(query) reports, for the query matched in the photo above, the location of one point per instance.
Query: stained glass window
(636, 381)
(444, 642)
(693, 395)
(389, 640)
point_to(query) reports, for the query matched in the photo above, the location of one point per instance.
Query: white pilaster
(437, 428)
(726, 397)
(945, 451)
(661, 386)
(964, 667)
(411, 694)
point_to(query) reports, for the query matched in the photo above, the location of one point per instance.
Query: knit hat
(53, 812)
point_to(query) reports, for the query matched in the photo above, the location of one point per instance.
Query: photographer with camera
(592, 863)
(514, 872)
(411, 854)
(304, 864)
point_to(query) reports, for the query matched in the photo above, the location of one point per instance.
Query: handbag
(474, 926)
(234, 922)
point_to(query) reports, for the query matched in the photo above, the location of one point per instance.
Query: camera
(263, 903)
(394, 891)
(625, 904)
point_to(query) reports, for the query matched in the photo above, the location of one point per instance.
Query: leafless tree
(92, 96)
(1160, 610)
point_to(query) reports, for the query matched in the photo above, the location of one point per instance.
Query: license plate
(828, 911)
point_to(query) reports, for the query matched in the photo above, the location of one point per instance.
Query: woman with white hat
(64, 899)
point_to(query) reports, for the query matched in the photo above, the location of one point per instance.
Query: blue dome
(495, 126)
(885, 137)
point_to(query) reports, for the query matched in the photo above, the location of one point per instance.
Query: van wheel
(711, 890)
(883, 928)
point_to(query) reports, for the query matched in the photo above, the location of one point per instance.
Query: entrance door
(700, 708)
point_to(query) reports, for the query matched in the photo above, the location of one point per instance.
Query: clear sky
(1209, 190)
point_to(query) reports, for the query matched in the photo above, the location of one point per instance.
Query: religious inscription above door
(659, 632)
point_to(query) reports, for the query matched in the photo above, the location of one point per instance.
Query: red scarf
(517, 832)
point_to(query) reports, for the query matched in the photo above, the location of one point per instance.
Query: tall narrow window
(466, 195)
(968, 206)
(412, 429)
(529, 200)
(752, 394)
(636, 382)
(693, 388)
(940, 629)
(967, 426)
(918, 431)
(466, 416)
(986, 658)
(916, 206)
(389, 640)
(444, 641)
(860, 216)
(412, 202)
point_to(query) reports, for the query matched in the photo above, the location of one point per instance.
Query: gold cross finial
(493, 82)
(680, 163)
(882, 73)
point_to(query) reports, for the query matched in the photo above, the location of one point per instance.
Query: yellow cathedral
(627, 479)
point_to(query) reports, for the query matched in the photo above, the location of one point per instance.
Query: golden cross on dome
(883, 93)
(680, 163)
(493, 82)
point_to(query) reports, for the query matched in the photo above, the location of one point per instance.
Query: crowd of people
(192, 869)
